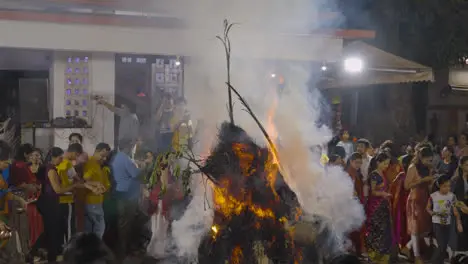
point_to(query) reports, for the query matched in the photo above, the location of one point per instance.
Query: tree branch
(227, 49)
(257, 121)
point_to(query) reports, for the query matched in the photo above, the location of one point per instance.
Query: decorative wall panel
(78, 87)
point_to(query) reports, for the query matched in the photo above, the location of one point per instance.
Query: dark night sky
(356, 14)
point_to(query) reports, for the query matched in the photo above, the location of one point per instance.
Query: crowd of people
(46, 200)
(415, 197)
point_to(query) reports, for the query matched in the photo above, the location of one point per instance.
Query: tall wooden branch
(257, 121)
(227, 49)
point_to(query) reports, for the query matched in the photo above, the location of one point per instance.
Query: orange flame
(229, 200)
(271, 130)
(237, 255)
(229, 205)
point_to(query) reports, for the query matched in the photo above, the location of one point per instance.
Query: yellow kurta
(63, 170)
(93, 171)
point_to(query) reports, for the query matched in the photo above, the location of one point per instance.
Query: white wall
(73, 37)
(102, 78)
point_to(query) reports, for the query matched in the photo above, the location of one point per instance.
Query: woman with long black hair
(25, 184)
(395, 174)
(49, 205)
(379, 230)
(419, 181)
(38, 170)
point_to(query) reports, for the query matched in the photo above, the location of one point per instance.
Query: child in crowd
(346, 144)
(440, 206)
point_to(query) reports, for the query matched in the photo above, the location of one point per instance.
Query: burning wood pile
(252, 204)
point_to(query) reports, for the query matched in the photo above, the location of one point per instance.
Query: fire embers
(252, 205)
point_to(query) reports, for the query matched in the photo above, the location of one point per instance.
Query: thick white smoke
(326, 194)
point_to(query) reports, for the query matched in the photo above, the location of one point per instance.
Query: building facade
(85, 49)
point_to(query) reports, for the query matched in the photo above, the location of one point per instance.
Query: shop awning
(380, 67)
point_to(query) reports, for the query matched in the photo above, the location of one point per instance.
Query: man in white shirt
(129, 124)
(362, 148)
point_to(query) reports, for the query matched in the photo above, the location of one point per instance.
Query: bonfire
(252, 204)
(257, 217)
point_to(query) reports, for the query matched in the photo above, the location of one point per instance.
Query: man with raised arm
(128, 125)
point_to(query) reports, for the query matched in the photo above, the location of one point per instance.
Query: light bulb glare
(353, 65)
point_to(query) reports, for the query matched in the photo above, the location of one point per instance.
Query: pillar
(75, 77)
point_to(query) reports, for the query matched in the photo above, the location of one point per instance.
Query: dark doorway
(132, 86)
(9, 96)
(140, 81)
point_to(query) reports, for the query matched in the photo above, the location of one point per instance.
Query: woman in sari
(396, 177)
(37, 237)
(8, 201)
(419, 181)
(26, 185)
(379, 233)
(353, 168)
(394, 168)
(399, 215)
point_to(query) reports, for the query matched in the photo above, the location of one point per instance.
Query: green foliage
(179, 174)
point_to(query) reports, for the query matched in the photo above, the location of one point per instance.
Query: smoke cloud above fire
(289, 116)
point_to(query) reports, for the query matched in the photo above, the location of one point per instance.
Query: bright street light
(324, 68)
(353, 65)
